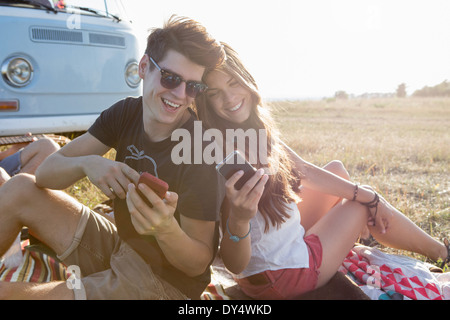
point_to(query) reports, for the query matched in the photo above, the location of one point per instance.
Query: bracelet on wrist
(235, 238)
(373, 204)
(355, 193)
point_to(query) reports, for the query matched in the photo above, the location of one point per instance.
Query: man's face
(167, 106)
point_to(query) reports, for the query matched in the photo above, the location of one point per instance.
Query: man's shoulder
(127, 108)
(128, 103)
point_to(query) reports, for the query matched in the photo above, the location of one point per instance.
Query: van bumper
(38, 125)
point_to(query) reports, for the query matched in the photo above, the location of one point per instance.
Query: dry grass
(398, 146)
(401, 147)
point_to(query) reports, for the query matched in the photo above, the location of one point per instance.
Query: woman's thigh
(338, 232)
(315, 204)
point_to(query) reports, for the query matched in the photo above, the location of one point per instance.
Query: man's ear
(143, 66)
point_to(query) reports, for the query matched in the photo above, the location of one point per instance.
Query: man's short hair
(187, 37)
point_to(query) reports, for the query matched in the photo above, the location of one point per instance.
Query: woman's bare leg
(314, 204)
(404, 234)
(338, 231)
(35, 153)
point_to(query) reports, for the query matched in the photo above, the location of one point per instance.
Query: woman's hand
(381, 214)
(244, 202)
(242, 206)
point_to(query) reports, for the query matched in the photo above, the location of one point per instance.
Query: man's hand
(151, 220)
(111, 177)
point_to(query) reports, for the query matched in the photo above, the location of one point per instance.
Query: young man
(159, 251)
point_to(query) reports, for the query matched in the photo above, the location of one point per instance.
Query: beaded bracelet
(236, 238)
(355, 193)
(373, 204)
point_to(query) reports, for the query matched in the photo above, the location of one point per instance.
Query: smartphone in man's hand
(159, 186)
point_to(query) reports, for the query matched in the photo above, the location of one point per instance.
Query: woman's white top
(279, 248)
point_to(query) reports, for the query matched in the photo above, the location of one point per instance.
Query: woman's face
(229, 99)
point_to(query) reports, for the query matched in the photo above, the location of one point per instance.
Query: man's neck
(157, 131)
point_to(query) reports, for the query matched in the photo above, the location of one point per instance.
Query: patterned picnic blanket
(384, 276)
(380, 275)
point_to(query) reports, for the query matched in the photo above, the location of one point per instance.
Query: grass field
(401, 147)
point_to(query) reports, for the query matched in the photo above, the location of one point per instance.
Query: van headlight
(17, 71)
(132, 74)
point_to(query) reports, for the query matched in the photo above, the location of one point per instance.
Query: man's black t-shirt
(197, 185)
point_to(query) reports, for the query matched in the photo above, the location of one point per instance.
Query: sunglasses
(170, 80)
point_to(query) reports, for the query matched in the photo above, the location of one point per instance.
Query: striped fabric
(35, 267)
(214, 291)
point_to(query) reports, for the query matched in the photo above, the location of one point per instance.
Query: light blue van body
(77, 60)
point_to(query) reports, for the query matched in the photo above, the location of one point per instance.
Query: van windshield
(109, 8)
(104, 8)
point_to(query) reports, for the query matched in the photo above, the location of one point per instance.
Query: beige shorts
(110, 269)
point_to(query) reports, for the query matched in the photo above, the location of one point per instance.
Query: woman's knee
(41, 148)
(338, 168)
(48, 145)
(357, 210)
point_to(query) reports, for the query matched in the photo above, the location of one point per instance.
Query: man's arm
(189, 247)
(83, 157)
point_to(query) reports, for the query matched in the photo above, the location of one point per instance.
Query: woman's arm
(324, 181)
(239, 208)
(235, 255)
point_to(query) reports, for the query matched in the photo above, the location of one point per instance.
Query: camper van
(62, 63)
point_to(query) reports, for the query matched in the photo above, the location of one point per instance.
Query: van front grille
(105, 39)
(84, 37)
(59, 35)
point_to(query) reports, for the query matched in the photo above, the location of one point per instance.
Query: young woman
(25, 157)
(275, 252)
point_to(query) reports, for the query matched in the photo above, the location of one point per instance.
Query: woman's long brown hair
(282, 186)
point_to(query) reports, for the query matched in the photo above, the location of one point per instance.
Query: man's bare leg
(51, 216)
(57, 290)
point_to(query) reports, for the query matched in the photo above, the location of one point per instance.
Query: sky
(302, 49)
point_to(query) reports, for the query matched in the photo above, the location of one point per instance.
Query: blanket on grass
(379, 275)
(384, 276)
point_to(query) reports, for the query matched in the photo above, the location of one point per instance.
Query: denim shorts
(12, 164)
(109, 268)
